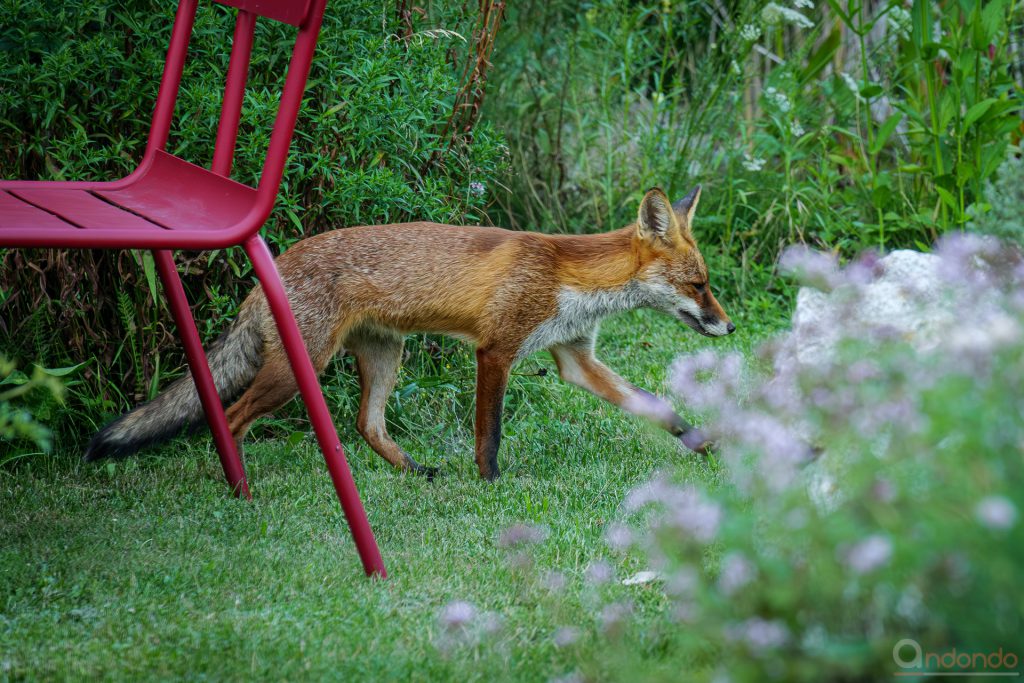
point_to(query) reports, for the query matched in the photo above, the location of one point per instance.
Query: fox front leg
(492, 370)
(577, 365)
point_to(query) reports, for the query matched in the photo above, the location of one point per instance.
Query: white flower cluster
(750, 32)
(777, 14)
(778, 98)
(852, 85)
(898, 20)
(754, 164)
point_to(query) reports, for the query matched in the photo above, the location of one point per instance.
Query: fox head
(674, 276)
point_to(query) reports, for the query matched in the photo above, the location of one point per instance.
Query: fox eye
(700, 287)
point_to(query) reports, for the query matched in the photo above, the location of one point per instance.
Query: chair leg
(226, 448)
(312, 395)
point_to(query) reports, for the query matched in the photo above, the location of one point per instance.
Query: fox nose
(730, 328)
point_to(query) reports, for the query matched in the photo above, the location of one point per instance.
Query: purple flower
(708, 381)
(695, 516)
(521, 534)
(996, 512)
(618, 537)
(682, 582)
(598, 572)
(657, 490)
(613, 616)
(863, 370)
(686, 509)
(782, 452)
(872, 553)
(813, 268)
(759, 634)
(649, 406)
(566, 636)
(737, 572)
(555, 581)
(883, 491)
(964, 258)
(865, 269)
(457, 615)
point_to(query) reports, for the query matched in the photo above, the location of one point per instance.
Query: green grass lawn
(147, 567)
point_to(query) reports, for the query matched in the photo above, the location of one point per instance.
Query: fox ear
(656, 219)
(687, 206)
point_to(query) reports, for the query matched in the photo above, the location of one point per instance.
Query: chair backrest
(289, 11)
(307, 15)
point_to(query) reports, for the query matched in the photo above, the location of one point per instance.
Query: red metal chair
(168, 203)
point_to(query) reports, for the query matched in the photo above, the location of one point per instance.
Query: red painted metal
(309, 387)
(19, 214)
(168, 203)
(289, 11)
(234, 91)
(226, 448)
(291, 98)
(185, 197)
(83, 210)
(171, 80)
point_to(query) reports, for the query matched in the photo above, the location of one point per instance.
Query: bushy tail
(235, 358)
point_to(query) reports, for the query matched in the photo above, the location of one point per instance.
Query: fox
(509, 293)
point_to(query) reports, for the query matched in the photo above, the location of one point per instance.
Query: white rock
(909, 300)
(646, 576)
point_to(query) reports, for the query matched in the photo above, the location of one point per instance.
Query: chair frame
(307, 15)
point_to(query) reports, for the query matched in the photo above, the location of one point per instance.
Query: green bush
(76, 95)
(26, 403)
(1002, 216)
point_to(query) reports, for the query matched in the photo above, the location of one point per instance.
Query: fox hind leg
(273, 386)
(378, 355)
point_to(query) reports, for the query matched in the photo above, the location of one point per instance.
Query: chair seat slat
(82, 209)
(17, 214)
(180, 195)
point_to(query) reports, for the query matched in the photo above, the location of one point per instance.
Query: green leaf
(885, 131)
(294, 219)
(993, 20)
(149, 269)
(946, 197)
(294, 439)
(869, 90)
(65, 371)
(920, 26)
(977, 111)
(821, 57)
(838, 9)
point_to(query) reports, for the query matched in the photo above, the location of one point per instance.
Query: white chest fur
(578, 313)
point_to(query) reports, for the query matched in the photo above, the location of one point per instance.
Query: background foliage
(372, 146)
(843, 124)
(840, 124)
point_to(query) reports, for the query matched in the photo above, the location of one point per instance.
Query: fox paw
(697, 441)
(429, 472)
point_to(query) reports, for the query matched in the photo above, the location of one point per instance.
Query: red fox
(510, 293)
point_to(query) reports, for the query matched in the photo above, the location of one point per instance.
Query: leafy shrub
(77, 93)
(25, 402)
(1002, 216)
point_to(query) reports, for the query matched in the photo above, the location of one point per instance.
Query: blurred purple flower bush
(869, 497)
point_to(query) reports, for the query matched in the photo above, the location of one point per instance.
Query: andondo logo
(915, 661)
